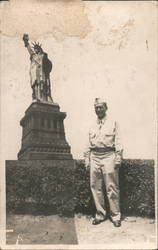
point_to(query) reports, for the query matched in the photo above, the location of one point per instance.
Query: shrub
(37, 185)
(137, 187)
(43, 187)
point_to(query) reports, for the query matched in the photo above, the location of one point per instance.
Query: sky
(98, 49)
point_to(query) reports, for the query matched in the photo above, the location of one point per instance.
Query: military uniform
(104, 153)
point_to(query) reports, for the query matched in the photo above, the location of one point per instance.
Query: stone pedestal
(43, 134)
(43, 175)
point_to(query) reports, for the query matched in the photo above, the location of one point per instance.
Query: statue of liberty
(40, 69)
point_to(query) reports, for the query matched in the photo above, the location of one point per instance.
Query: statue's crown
(37, 45)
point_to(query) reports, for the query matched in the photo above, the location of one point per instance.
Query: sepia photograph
(78, 124)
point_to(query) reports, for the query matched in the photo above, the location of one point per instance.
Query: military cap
(100, 101)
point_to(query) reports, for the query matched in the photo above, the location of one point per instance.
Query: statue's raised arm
(26, 43)
(40, 69)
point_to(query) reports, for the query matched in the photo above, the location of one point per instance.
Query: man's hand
(87, 164)
(118, 160)
(117, 165)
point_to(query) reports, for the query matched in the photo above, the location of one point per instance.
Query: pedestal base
(43, 134)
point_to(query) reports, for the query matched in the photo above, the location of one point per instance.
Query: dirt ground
(28, 229)
(134, 231)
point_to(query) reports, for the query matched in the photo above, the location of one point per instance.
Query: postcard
(78, 88)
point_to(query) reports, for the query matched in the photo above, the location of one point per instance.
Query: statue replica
(40, 69)
(43, 133)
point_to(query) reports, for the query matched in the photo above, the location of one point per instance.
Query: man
(103, 155)
(40, 69)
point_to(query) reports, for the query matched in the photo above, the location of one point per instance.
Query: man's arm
(86, 154)
(118, 145)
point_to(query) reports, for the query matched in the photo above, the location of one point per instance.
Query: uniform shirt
(105, 133)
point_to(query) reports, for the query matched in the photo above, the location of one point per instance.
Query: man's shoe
(117, 223)
(96, 221)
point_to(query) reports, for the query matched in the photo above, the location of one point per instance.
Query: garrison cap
(100, 101)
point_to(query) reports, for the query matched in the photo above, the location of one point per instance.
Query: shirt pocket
(109, 137)
(109, 132)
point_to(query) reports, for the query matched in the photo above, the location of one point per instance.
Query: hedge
(39, 187)
(136, 178)
(36, 187)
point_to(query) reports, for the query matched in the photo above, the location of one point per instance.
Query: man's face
(100, 110)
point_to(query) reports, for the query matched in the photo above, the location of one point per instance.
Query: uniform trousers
(104, 177)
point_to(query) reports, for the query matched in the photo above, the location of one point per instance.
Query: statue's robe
(40, 69)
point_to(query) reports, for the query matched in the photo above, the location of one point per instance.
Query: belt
(103, 150)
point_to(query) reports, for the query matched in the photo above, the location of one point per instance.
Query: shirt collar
(101, 121)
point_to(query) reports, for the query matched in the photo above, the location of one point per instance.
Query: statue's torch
(26, 39)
